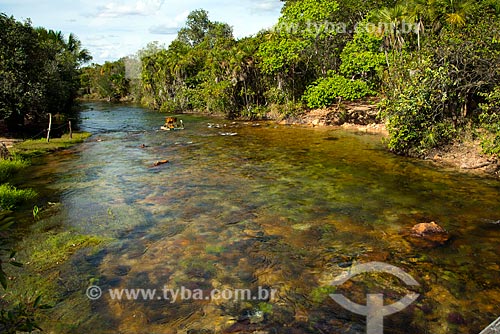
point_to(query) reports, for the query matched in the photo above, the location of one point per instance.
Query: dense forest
(434, 64)
(39, 73)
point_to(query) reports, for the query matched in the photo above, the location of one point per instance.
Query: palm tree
(389, 22)
(74, 46)
(451, 12)
(242, 65)
(420, 11)
(457, 11)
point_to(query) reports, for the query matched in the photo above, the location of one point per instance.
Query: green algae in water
(279, 207)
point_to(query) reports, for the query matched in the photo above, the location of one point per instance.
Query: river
(253, 205)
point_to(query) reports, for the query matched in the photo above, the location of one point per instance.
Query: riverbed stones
(428, 235)
(424, 229)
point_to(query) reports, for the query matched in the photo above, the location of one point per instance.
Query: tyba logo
(374, 310)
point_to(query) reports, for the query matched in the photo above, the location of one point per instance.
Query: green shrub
(11, 197)
(10, 167)
(326, 91)
(490, 142)
(254, 112)
(490, 121)
(416, 108)
(362, 56)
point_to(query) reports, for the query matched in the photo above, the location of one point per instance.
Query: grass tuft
(10, 167)
(10, 196)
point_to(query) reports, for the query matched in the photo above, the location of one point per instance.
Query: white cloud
(260, 6)
(111, 29)
(127, 8)
(163, 29)
(170, 27)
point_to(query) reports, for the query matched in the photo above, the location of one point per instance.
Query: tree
(39, 72)
(457, 11)
(197, 27)
(361, 57)
(432, 95)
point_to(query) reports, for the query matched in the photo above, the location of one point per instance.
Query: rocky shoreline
(361, 116)
(465, 156)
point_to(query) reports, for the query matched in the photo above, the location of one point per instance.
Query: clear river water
(254, 205)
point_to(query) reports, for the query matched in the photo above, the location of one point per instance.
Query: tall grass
(10, 196)
(10, 167)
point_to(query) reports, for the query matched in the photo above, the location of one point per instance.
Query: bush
(490, 142)
(10, 167)
(11, 197)
(490, 121)
(362, 56)
(416, 108)
(326, 91)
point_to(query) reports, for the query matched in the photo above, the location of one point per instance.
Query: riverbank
(464, 154)
(30, 148)
(42, 244)
(284, 207)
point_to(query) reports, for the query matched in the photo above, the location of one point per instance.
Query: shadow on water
(276, 207)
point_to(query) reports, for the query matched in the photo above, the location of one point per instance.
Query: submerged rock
(456, 319)
(159, 163)
(424, 229)
(492, 224)
(428, 235)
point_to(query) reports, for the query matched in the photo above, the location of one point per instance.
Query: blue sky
(116, 28)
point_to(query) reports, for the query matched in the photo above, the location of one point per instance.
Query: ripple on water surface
(276, 207)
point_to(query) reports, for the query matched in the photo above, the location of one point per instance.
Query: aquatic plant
(57, 248)
(36, 211)
(5, 223)
(20, 317)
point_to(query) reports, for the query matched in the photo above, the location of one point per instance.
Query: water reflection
(279, 207)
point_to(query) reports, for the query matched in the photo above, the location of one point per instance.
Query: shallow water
(276, 207)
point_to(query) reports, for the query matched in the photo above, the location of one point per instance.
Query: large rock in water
(423, 229)
(428, 235)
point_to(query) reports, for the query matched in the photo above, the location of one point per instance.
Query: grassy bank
(31, 148)
(47, 244)
(10, 196)
(10, 167)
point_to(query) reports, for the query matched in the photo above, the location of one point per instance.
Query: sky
(117, 28)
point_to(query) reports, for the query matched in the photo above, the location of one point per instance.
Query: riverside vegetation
(39, 74)
(434, 64)
(19, 304)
